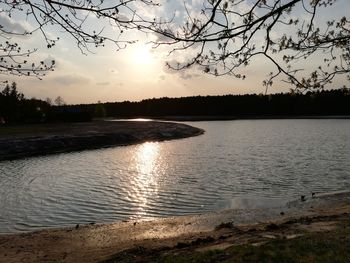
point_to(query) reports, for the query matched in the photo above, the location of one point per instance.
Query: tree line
(15, 108)
(326, 102)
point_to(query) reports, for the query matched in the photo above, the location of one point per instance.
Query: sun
(143, 55)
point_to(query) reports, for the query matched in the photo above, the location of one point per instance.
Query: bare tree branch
(71, 17)
(283, 32)
(227, 35)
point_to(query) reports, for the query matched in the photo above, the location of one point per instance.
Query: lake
(235, 164)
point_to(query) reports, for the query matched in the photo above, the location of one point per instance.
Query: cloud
(59, 64)
(183, 73)
(113, 71)
(49, 60)
(188, 76)
(106, 83)
(147, 10)
(163, 38)
(70, 79)
(9, 25)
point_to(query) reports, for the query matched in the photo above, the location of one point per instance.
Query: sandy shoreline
(96, 243)
(32, 140)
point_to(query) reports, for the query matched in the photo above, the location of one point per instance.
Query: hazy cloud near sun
(184, 73)
(163, 38)
(72, 79)
(106, 83)
(113, 71)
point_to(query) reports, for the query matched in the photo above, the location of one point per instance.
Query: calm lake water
(235, 164)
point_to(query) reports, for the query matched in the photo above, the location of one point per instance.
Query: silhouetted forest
(332, 102)
(15, 108)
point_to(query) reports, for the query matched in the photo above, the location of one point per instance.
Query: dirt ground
(146, 241)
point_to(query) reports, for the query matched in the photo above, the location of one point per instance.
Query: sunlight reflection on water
(145, 181)
(135, 119)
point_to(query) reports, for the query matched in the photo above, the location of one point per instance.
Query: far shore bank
(21, 141)
(150, 241)
(231, 118)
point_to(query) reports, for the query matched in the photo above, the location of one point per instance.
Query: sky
(137, 72)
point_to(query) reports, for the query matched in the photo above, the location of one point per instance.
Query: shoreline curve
(35, 140)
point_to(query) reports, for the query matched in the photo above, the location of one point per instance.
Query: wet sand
(32, 140)
(141, 240)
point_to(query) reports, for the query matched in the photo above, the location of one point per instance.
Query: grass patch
(332, 246)
(194, 257)
(310, 248)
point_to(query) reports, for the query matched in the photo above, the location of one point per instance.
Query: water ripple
(234, 164)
